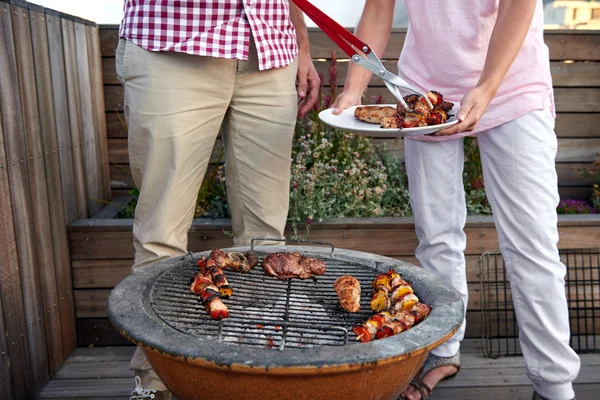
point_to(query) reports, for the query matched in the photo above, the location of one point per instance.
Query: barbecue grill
(284, 339)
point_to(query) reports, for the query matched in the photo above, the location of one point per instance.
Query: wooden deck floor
(103, 373)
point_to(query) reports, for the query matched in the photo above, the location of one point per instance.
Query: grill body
(284, 339)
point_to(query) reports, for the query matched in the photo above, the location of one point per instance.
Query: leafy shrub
(574, 207)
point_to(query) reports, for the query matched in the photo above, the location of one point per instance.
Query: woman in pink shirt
(490, 56)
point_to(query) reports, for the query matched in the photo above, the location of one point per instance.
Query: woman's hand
(346, 99)
(472, 107)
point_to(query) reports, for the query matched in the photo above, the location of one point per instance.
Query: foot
(430, 379)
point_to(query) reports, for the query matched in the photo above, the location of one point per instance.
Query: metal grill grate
(499, 324)
(265, 311)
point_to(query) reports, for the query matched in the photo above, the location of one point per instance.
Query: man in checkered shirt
(193, 68)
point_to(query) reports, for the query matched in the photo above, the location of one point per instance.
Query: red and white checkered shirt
(216, 28)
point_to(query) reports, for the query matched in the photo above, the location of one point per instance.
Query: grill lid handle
(304, 242)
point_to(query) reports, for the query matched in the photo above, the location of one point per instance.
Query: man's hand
(472, 107)
(309, 83)
(346, 99)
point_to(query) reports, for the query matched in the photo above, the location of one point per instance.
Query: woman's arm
(308, 78)
(510, 30)
(374, 28)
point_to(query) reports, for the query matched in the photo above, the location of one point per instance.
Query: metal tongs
(341, 36)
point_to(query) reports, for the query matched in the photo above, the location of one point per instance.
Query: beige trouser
(175, 105)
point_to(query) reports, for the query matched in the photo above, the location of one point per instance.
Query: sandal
(432, 362)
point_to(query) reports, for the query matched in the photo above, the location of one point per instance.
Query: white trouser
(521, 185)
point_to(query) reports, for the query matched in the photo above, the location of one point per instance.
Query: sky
(346, 12)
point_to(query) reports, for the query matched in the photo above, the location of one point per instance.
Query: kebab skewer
(368, 330)
(381, 287)
(209, 268)
(396, 313)
(209, 293)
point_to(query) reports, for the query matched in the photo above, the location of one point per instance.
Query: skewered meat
(406, 302)
(374, 114)
(292, 265)
(422, 115)
(400, 322)
(381, 287)
(367, 331)
(209, 268)
(402, 308)
(235, 261)
(209, 293)
(348, 290)
(437, 117)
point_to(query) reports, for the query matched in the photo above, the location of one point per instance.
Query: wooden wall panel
(60, 309)
(97, 93)
(37, 315)
(61, 106)
(13, 163)
(75, 115)
(32, 223)
(91, 168)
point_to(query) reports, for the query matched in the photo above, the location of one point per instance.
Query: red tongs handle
(340, 35)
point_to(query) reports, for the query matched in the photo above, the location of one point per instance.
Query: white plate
(346, 122)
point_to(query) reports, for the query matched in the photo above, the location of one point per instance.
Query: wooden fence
(574, 55)
(53, 171)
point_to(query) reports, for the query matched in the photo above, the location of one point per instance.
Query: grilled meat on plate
(374, 114)
(348, 290)
(292, 265)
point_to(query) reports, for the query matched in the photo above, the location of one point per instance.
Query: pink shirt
(445, 50)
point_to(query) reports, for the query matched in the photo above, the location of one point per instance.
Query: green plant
(593, 172)
(477, 202)
(574, 207)
(337, 174)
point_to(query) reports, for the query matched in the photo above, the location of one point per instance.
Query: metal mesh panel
(499, 324)
(265, 311)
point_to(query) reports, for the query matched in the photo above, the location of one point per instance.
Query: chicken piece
(420, 311)
(413, 120)
(235, 261)
(400, 291)
(209, 268)
(434, 97)
(444, 105)
(241, 262)
(292, 265)
(401, 321)
(392, 123)
(421, 107)
(209, 293)
(374, 114)
(437, 117)
(411, 100)
(348, 290)
(220, 258)
(406, 302)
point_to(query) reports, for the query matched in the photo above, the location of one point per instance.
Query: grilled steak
(292, 265)
(374, 114)
(348, 290)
